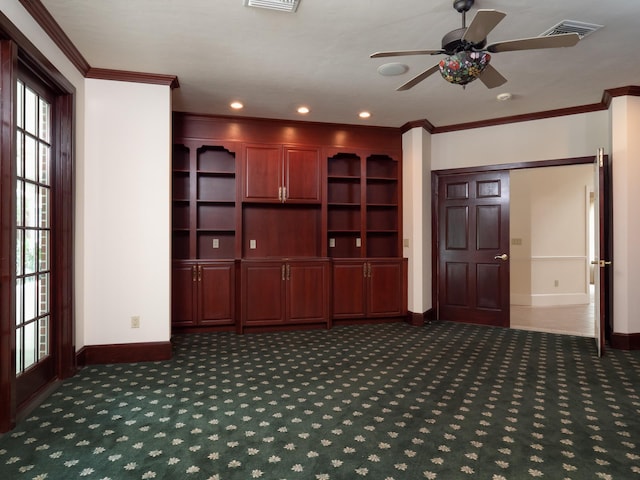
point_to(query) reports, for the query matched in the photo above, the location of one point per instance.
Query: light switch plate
(332, 242)
(358, 242)
(252, 244)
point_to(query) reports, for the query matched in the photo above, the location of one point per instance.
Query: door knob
(600, 263)
(504, 257)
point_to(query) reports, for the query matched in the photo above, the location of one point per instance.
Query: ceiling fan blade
(491, 77)
(533, 43)
(483, 22)
(417, 79)
(401, 53)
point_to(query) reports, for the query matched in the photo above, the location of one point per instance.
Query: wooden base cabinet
(284, 293)
(203, 295)
(369, 288)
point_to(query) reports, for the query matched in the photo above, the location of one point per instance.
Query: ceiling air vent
(280, 5)
(572, 26)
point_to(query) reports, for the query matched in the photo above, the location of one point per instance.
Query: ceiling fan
(468, 54)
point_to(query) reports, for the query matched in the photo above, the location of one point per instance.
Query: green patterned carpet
(377, 402)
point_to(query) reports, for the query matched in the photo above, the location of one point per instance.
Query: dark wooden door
(349, 289)
(263, 173)
(385, 297)
(302, 175)
(263, 292)
(216, 297)
(602, 269)
(473, 248)
(307, 292)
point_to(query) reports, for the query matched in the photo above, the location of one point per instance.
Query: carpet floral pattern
(371, 402)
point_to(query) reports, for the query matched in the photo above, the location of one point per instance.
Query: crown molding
(424, 123)
(594, 107)
(136, 77)
(41, 15)
(608, 95)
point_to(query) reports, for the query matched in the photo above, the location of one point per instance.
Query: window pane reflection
(30, 111)
(29, 344)
(43, 299)
(45, 153)
(30, 205)
(30, 158)
(30, 251)
(30, 298)
(44, 127)
(19, 364)
(43, 264)
(20, 203)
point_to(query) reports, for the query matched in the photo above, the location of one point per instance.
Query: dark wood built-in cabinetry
(285, 225)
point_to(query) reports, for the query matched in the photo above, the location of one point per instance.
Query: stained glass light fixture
(464, 66)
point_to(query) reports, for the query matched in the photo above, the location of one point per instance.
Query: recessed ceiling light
(236, 105)
(503, 97)
(391, 69)
(303, 110)
(364, 114)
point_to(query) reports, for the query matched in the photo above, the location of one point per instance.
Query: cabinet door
(302, 175)
(183, 291)
(307, 292)
(262, 173)
(216, 299)
(349, 290)
(263, 293)
(385, 296)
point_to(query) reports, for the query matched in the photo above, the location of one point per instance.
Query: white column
(625, 158)
(416, 217)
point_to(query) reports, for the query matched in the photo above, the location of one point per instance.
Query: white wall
(127, 212)
(549, 139)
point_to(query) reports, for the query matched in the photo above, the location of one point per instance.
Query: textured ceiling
(319, 56)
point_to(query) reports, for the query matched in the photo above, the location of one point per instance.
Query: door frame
(19, 52)
(608, 230)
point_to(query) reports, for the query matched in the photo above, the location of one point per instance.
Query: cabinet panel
(280, 293)
(368, 288)
(385, 289)
(263, 173)
(217, 294)
(307, 291)
(202, 294)
(302, 175)
(349, 290)
(263, 294)
(183, 290)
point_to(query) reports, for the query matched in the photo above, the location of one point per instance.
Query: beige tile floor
(565, 319)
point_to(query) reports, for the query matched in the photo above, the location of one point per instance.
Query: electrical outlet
(252, 244)
(216, 243)
(556, 283)
(332, 243)
(358, 242)
(135, 321)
